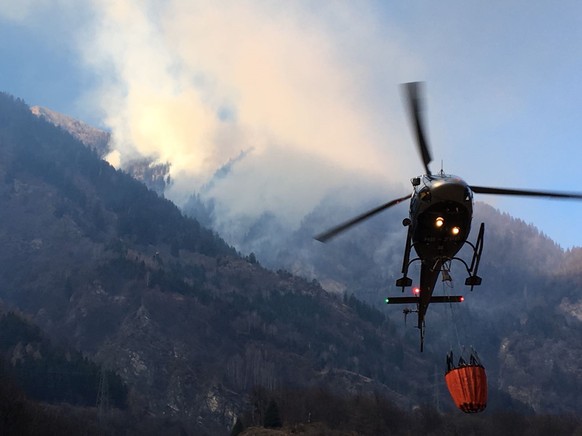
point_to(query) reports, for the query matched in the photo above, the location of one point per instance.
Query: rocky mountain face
(104, 264)
(155, 176)
(92, 137)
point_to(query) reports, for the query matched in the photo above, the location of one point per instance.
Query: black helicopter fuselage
(441, 210)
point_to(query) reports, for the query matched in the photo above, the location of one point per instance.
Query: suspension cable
(448, 285)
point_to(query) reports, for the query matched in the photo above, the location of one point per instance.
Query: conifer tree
(238, 428)
(272, 416)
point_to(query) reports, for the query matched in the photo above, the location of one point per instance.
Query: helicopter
(439, 222)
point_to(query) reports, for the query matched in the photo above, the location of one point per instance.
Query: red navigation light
(416, 291)
(462, 299)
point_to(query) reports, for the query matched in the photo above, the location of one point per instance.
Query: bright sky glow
(310, 90)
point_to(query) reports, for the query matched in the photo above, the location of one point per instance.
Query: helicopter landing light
(455, 231)
(439, 222)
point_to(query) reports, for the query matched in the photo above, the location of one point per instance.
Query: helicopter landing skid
(472, 280)
(405, 281)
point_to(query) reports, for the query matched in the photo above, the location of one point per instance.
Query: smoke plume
(197, 83)
(293, 86)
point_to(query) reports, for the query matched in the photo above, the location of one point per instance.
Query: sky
(309, 93)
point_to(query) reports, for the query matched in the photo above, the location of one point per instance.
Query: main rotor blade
(325, 236)
(523, 192)
(413, 94)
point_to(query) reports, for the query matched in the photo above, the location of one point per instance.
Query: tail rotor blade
(327, 235)
(413, 95)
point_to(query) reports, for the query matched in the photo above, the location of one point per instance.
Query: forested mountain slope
(106, 265)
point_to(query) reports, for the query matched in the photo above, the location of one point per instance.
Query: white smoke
(194, 83)
(293, 84)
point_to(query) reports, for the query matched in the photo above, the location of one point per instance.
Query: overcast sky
(309, 90)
